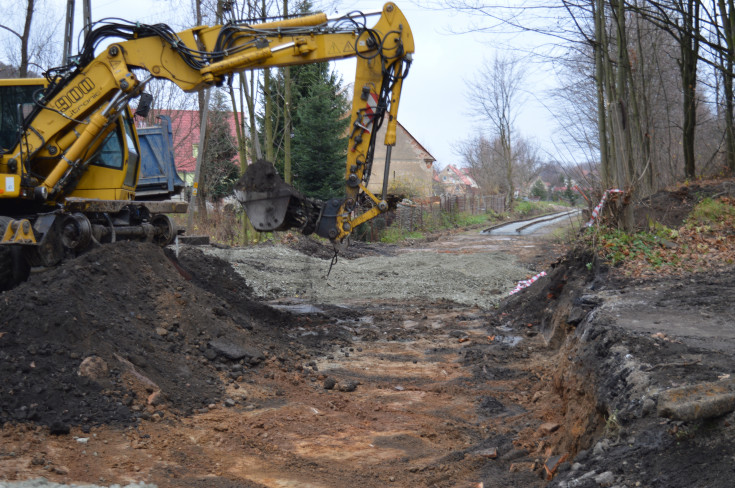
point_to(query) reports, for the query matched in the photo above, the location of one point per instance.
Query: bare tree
(31, 38)
(496, 97)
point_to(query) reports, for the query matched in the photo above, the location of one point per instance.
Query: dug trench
(131, 364)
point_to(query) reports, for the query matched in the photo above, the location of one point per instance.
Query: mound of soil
(124, 332)
(670, 208)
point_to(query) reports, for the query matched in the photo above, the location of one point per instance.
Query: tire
(14, 267)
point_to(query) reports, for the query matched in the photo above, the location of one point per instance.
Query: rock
(155, 398)
(490, 453)
(210, 354)
(576, 315)
(548, 427)
(649, 406)
(235, 352)
(229, 402)
(330, 383)
(62, 470)
(94, 368)
(605, 479)
(698, 402)
(551, 466)
(161, 331)
(601, 447)
(59, 428)
(458, 334)
(348, 386)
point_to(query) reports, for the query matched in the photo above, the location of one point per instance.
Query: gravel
(468, 278)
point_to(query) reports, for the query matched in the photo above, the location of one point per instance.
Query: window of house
(194, 150)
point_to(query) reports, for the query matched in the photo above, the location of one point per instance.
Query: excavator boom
(76, 140)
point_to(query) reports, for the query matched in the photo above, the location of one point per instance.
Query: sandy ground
(267, 374)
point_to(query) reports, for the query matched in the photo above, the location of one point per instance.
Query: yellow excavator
(69, 151)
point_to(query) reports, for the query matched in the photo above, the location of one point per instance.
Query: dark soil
(157, 323)
(129, 333)
(670, 208)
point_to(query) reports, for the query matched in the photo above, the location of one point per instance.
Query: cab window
(10, 98)
(111, 153)
(133, 154)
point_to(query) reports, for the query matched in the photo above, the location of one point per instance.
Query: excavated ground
(251, 368)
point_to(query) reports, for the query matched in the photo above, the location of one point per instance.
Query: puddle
(302, 308)
(508, 340)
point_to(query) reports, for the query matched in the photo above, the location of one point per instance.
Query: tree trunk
(23, 68)
(599, 16)
(286, 116)
(727, 13)
(688, 67)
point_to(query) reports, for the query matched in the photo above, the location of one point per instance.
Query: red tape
(596, 211)
(525, 283)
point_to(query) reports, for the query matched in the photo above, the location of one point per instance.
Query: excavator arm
(69, 123)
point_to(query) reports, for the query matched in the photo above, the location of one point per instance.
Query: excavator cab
(16, 102)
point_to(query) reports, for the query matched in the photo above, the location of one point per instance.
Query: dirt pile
(670, 208)
(121, 333)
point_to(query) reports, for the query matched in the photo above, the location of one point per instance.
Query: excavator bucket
(271, 204)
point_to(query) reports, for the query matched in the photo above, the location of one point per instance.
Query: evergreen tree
(319, 123)
(539, 190)
(320, 137)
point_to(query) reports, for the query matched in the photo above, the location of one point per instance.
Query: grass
(705, 241)
(393, 235)
(619, 246)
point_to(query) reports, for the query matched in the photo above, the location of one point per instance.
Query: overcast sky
(434, 106)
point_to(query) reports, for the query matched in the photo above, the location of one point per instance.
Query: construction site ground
(406, 366)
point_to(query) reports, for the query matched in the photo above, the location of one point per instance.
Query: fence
(427, 213)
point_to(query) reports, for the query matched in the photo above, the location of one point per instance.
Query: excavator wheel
(165, 230)
(14, 267)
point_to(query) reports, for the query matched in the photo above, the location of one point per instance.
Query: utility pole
(68, 32)
(69, 26)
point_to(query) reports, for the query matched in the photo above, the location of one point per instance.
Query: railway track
(529, 226)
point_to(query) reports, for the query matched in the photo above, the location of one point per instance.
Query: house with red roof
(411, 164)
(457, 181)
(185, 127)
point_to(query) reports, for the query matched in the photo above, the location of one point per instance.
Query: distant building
(457, 181)
(185, 126)
(411, 165)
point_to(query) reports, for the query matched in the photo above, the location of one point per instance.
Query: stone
(236, 352)
(606, 479)
(490, 453)
(348, 386)
(548, 427)
(601, 447)
(697, 402)
(155, 398)
(551, 466)
(94, 368)
(330, 383)
(649, 406)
